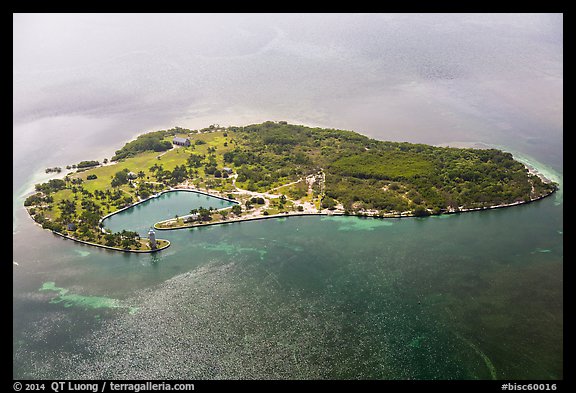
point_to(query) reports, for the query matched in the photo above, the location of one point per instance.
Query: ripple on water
(359, 224)
(231, 249)
(74, 300)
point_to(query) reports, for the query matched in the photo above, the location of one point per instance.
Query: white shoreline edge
(338, 213)
(110, 247)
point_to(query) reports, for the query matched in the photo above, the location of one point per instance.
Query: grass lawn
(169, 160)
(142, 161)
(275, 210)
(59, 196)
(298, 191)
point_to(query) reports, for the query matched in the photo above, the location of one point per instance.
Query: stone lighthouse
(152, 238)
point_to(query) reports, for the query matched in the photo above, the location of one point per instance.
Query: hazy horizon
(89, 82)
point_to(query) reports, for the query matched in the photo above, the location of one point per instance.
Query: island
(277, 169)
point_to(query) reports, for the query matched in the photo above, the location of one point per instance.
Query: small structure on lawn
(192, 217)
(227, 170)
(181, 141)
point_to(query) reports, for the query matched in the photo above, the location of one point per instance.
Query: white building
(152, 238)
(181, 141)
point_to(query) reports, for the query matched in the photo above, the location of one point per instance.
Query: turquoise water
(468, 296)
(143, 216)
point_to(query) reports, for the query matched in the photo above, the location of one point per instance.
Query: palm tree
(141, 175)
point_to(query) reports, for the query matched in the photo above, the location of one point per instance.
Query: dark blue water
(467, 296)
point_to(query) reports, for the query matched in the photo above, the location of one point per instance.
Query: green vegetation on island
(87, 164)
(279, 168)
(367, 174)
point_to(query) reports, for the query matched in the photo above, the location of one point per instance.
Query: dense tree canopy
(87, 164)
(364, 173)
(151, 141)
